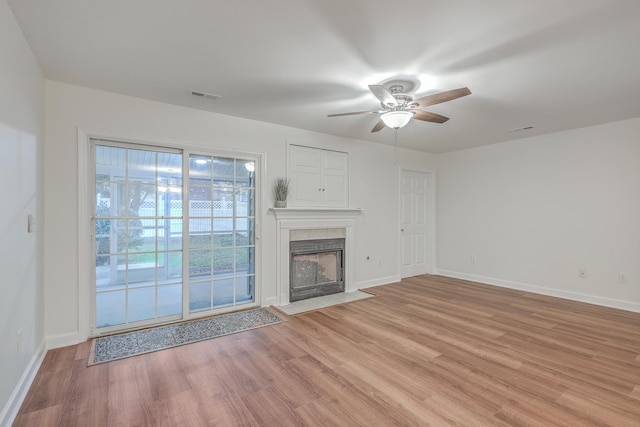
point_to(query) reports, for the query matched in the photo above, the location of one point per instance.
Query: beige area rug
(322, 302)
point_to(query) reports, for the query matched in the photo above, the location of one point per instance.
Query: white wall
(537, 210)
(374, 184)
(21, 154)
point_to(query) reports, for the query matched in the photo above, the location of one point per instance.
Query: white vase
(281, 203)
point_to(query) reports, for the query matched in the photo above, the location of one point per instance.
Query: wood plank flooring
(426, 351)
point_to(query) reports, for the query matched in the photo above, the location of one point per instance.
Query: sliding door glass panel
(221, 232)
(144, 235)
(138, 235)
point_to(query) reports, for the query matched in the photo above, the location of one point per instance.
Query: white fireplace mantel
(288, 219)
(312, 213)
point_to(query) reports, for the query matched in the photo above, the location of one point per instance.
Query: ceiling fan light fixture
(396, 119)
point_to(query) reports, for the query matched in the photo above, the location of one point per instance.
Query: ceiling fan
(399, 107)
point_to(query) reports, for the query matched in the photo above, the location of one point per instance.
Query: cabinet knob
(323, 189)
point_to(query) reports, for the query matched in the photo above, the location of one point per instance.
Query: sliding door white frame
(86, 206)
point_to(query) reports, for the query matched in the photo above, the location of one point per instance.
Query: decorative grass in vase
(280, 192)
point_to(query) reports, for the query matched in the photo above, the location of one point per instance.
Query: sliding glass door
(168, 248)
(221, 232)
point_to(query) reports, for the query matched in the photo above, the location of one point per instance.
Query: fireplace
(317, 268)
(297, 224)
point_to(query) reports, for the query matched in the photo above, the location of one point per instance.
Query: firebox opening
(317, 268)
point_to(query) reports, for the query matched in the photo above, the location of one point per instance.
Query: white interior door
(415, 238)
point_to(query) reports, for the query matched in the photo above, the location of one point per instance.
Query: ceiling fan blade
(427, 116)
(352, 114)
(378, 126)
(440, 97)
(383, 95)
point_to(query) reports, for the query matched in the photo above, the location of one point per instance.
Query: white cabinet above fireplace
(319, 178)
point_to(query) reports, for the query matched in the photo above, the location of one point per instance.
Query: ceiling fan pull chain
(395, 146)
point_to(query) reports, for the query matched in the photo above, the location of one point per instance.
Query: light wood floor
(426, 351)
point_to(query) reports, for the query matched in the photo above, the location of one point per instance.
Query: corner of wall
(62, 340)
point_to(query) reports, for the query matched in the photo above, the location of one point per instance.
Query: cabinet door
(319, 178)
(305, 175)
(335, 179)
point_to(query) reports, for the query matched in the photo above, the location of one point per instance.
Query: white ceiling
(551, 64)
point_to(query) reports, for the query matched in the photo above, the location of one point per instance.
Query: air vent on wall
(521, 129)
(205, 95)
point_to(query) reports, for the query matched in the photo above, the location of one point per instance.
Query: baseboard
(270, 301)
(62, 340)
(376, 282)
(543, 290)
(10, 410)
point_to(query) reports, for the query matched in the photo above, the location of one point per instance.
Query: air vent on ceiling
(205, 95)
(521, 129)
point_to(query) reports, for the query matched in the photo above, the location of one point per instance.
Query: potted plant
(280, 192)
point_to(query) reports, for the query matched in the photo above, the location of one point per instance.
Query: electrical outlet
(622, 278)
(380, 262)
(474, 259)
(582, 274)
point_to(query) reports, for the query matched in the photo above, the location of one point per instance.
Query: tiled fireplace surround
(295, 224)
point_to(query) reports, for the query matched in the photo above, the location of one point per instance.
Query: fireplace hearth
(316, 268)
